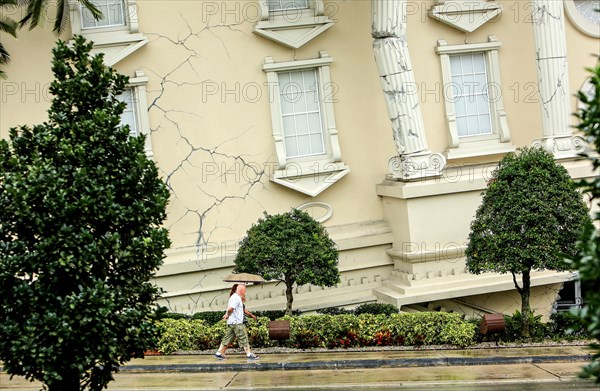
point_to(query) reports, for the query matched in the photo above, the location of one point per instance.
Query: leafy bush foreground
(327, 331)
(351, 330)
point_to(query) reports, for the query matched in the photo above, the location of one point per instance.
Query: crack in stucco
(186, 44)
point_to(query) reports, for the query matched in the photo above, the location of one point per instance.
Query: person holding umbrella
(235, 324)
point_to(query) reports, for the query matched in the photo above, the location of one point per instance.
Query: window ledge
(293, 35)
(481, 148)
(116, 46)
(310, 178)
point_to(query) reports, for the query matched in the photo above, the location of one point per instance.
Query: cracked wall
(211, 131)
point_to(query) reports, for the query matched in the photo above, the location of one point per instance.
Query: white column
(553, 79)
(414, 159)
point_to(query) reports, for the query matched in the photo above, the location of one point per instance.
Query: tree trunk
(290, 298)
(525, 307)
(69, 382)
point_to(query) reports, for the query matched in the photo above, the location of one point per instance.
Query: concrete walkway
(464, 369)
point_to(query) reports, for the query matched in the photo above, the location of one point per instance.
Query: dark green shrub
(512, 332)
(81, 234)
(327, 331)
(292, 248)
(306, 339)
(587, 261)
(565, 325)
(210, 317)
(334, 311)
(274, 314)
(172, 315)
(376, 309)
(530, 218)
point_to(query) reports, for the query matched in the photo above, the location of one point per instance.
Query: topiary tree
(81, 209)
(290, 247)
(588, 259)
(530, 216)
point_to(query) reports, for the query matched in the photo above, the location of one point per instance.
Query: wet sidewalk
(359, 359)
(539, 368)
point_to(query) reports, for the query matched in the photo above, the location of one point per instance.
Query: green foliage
(376, 309)
(273, 314)
(588, 258)
(210, 317)
(531, 213)
(9, 26)
(334, 311)
(81, 209)
(565, 325)
(367, 308)
(347, 331)
(36, 11)
(530, 218)
(290, 247)
(512, 332)
(327, 331)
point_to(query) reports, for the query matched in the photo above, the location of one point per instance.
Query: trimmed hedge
(367, 308)
(327, 331)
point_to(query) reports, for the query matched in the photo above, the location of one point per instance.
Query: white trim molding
(584, 23)
(291, 26)
(465, 15)
(498, 140)
(553, 82)
(414, 160)
(309, 173)
(116, 41)
(139, 101)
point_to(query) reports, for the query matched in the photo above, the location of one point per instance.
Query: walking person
(246, 312)
(235, 324)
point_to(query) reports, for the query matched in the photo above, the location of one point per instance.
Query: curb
(353, 364)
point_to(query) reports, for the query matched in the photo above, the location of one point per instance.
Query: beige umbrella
(244, 277)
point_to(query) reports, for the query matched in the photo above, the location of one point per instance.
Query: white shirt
(237, 316)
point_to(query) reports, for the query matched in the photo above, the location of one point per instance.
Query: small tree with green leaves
(588, 259)
(290, 247)
(530, 217)
(81, 209)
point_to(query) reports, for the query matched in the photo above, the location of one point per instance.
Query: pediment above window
(115, 34)
(117, 48)
(310, 179)
(465, 15)
(294, 23)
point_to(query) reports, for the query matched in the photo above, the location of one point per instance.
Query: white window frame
(581, 22)
(122, 3)
(288, 8)
(137, 87)
(292, 27)
(130, 25)
(498, 141)
(117, 42)
(291, 170)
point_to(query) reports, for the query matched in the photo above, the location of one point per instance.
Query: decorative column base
(416, 166)
(562, 147)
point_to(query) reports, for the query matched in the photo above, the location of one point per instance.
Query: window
(474, 108)
(471, 97)
(113, 14)
(128, 115)
(585, 15)
(301, 113)
(135, 113)
(279, 5)
(303, 124)
(292, 22)
(116, 33)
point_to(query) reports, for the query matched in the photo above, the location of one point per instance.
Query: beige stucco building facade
(382, 118)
